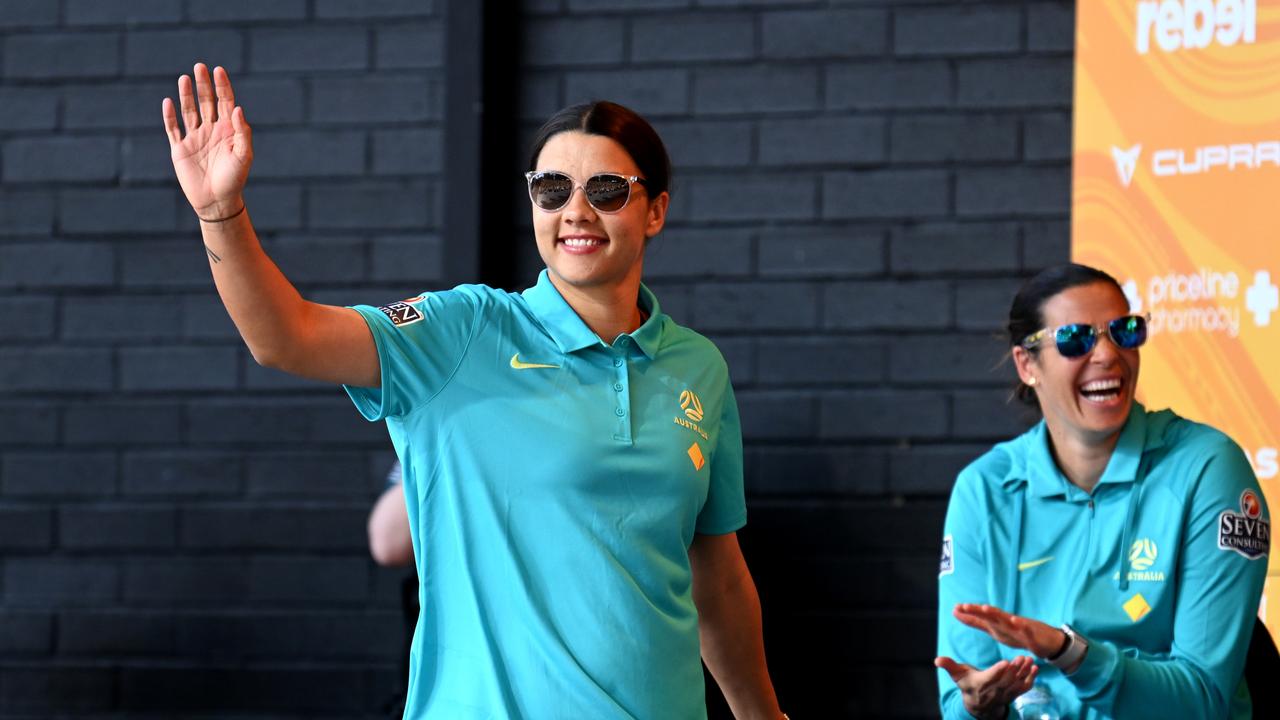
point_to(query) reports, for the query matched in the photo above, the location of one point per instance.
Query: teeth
(581, 242)
(1100, 385)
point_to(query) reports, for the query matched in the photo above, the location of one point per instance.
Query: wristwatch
(1072, 652)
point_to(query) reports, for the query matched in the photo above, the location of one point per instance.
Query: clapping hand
(987, 693)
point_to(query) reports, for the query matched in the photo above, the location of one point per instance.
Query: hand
(212, 161)
(1014, 631)
(987, 693)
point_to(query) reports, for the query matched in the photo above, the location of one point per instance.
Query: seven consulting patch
(1246, 531)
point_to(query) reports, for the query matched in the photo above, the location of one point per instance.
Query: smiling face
(1086, 398)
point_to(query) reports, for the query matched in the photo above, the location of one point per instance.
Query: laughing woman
(1125, 550)
(572, 458)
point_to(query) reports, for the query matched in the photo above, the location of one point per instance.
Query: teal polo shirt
(554, 483)
(1160, 568)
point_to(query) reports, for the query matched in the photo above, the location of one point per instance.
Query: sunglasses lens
(1128, 332)
(608, 193)
(1075, 340)
(550, 191)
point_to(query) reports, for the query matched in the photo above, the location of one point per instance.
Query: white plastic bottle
(1037, 704)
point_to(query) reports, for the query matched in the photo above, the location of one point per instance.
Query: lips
(581, 244)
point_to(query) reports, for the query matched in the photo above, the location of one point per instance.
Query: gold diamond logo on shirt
(695, 454)
(1137, 606)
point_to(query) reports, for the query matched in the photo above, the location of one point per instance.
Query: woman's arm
(281, 329)
(389, 541)
(729, 626)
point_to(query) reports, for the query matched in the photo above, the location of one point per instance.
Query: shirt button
(619, 412)
(617, 362)
(617, 386)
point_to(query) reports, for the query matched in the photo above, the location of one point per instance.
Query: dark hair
(1026, 315)
(622, 125)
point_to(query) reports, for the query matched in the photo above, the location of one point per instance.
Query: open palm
(212, 161)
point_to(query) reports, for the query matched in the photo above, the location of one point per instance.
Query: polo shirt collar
(568, 330)
(1045, 479)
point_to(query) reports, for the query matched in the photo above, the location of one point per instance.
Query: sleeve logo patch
(1246, 532)
(946, 564)
(401, 313)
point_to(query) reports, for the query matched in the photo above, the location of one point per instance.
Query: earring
(1031, 382)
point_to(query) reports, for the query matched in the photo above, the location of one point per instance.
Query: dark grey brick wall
(859, 188)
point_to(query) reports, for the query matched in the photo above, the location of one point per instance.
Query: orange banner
(1176, 192)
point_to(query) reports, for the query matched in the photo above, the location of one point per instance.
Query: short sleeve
(421, 342)
(726, 507)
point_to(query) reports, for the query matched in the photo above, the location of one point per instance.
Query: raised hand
(1012, 630)
(987, 693)
(212, 161)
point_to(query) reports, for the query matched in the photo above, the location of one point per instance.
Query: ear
(1025, 361)
(657, 215)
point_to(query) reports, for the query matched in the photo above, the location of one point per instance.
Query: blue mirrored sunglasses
(1077, 339)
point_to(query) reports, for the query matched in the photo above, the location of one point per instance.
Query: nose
(578, 209)
(1105, 350)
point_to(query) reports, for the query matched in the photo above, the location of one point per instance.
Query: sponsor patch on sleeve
(1246, 532)
(946, 564)
(401, 313)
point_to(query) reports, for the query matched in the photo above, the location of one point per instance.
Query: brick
(984, 304)
(370, 204)
(412, 151)
(883, 414)
(335, 9)
(23, 632)
(621, 6)
(777, 415)
(37, 57)
(173, 52)
(947, 138)
(572, 42)
(1013, 191)
(64, 474)
(306, 153)
(753, 197)
(123, 423)
(797, 252)
(648, 92)
(538, 96)
(1047, 136)
(117, 527)
(989, 415)
(118, 318)
(192, 691)
(706, 143)
(57, 689)
(26, 318)
(188, 582)
(841, 141)
(957, 31)
(382, 98)
(1045, 243)
(24, 528)
(824, 33)
(409, 47)
(885, 305)
(310, 49)
(310, 259)
(205, 318)
(25, 213)
(27, 109)
(757, 89)
(249, 422)
(756, 306)
(99, 633)
(68, 583)
(245, 11)
(950, 359)
(316, 581)
(273, 207)
(877, 86)
(181, 473)
(308, 475)
(877, 194)
(335, 423)
(929, 470)
(118, 210)
(54, 370)
(116, 105)
(293, 636)
(145, 158)
(257, 377)
(275, 528)
(271, 100)
(407, 258)
(739, 353)
(1014, 83)
(698, 253)
(122, 12)
(748, 3)
(27, 13)
(954, 248)
(28, 423)
(815, 471)
(56, 264)
(667, 38)
(179, 263)
(153, 369)
(821, 361)
(1051, 26)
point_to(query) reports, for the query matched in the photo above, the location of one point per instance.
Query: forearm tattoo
(212, 255)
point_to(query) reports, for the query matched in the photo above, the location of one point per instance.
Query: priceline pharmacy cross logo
(1262, 298)
(1205, 301)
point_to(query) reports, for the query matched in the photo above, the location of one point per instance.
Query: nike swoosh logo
(1033, 563)
(518, 365)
